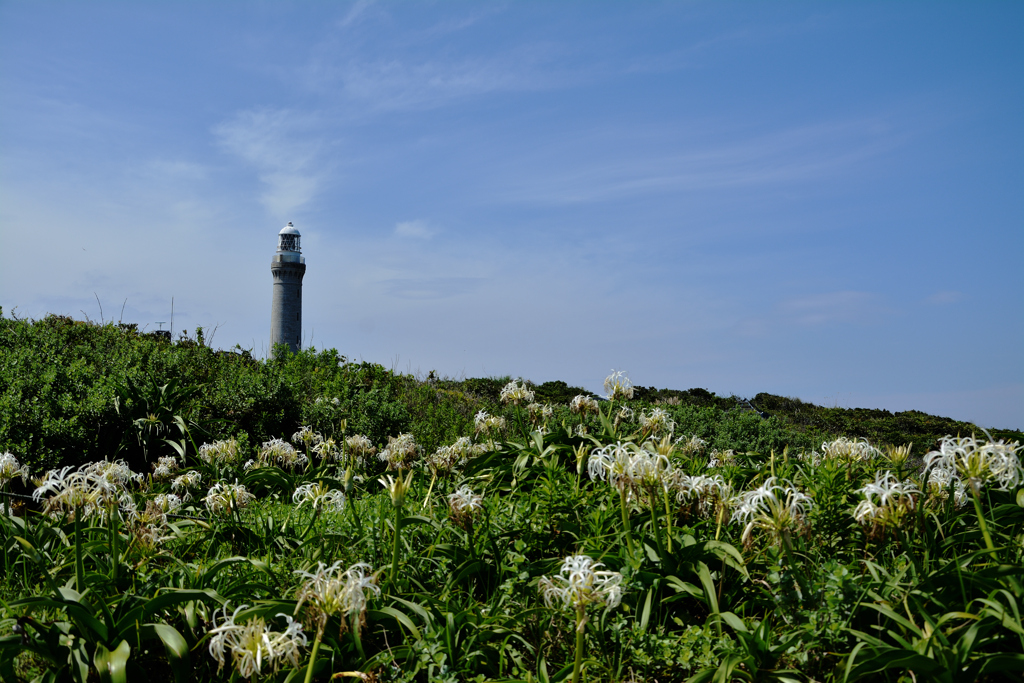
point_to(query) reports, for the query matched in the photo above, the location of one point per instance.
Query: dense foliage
(309, 518)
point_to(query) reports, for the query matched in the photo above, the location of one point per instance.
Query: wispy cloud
(832, 307)
(786, 156)
(283, 148)
(417, 229)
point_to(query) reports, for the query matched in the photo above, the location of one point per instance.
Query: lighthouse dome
(289, 230)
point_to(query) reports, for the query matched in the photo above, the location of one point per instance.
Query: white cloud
(417, 229)
(284, 149)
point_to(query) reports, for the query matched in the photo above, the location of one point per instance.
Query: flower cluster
(464, 504)
(327, 448)
(319, 496)
(360, 447)
(401, 452)
(703, 492)
(488, 424)
(307, 437)
(580, 583)
(253, 644)
(183, 482)
(165, 468)
(978, 463)
(278, 452)
(692, 445)
(777, 509)
(886, 501)
(224, 498)
(221, 453)
(617, 386)
(446, 458)
(516, 393)
(10, 469)
(328, 590)
(657, 422)
(583, 404)
(844, 450)
(92, 488)
(539, 412)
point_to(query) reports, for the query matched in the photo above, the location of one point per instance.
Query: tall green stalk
(982, 522)
(578, 662)
(79, 562)
(625, 522)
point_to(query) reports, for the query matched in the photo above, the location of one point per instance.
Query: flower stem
(394, 552)
(982, 522)
(579, 647)
(312, 655)
(79, 563)
(625, 522)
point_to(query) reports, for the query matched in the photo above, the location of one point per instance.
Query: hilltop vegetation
(219, 517)
(75, 392)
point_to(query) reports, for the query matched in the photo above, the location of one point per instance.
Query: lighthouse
(288, 266)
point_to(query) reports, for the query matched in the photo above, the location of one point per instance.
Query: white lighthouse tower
(288, 266)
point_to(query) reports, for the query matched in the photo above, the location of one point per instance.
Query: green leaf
(111, 665)
(175, 645)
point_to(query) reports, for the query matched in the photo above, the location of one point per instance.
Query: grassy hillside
(75, 391)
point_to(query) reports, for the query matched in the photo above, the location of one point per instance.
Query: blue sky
(816, 200)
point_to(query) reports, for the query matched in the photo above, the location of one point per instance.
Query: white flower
(617, 385)
(319, 496)
(777, 509)
(457, 454)
(690, 446)
(515, 393)
(167, 502)
(223, 498)
(401, 451)
(220, 452)
(706, 491)
(307, 437)
(488, 424)
(613, 463)
(583, 404)
(397, 488)
(657, 421)
(360, 447)
(331, 591)
(281, 453)
(253, 645)
(189, 480)
(10, 468)
(327, 448)
(942, 481)
(540, 411)
(92, 488)
(464, 502)
(886, 500)
(580, 583)
(979, 464)
(165, 468)
(845, 450)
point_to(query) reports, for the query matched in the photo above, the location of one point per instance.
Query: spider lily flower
(360, 447)
(692, 445)
(167, 502)
(580, 584)
(220, 453)
(583, 404)
(722, 458)
(92, 488)
(979, 464)
(223, 498)
(464, 503)
(319, 497)
(540, 412)
(844, 450)
(401, 452)
(165, 468)
(704, 491)
(612, 463)
(329, 591)
(307, 436)
(617, 386)
(487, 424)
(10, 469)
(650, 471)
(253, 645)
(775, 508)
(516, 394)
(397, 488)
(657, 422)
(941, 483)
(327, 448)
(149, 527)
(281, 453)
(190, 480)
(447, 458)
(886, 501)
